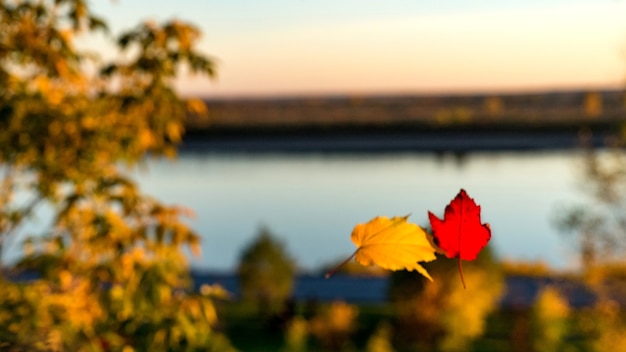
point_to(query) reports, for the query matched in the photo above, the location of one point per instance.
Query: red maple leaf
(460, 234)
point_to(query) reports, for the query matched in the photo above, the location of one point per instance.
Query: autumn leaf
(460, 234)
(392, 244)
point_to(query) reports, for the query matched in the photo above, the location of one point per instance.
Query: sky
(355, 47)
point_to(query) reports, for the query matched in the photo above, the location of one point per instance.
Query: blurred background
(325, 114)
(284, 48)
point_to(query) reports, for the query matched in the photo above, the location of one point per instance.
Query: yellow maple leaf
(392, 244)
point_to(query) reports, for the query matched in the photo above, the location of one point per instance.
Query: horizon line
(406, 93)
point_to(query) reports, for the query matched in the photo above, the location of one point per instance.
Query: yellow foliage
(296, 335)
(197, 107)
(111, 274)
(146, 139)
(174, 131)
(334, 324)
(538, 268)
(447, 316)
(466, 309)
(611, 339)
(393, 244)
(551, 304)
(493, 106)
(215, 291)
(593, 104)
(456, 115)
(550, 315)
(340, 317)
(380, 341)
(116, 292)
(605, 324)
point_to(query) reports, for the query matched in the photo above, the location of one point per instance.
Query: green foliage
(111, 274)
(296, 335)
(266, 272)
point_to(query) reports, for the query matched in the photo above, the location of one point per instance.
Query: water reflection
(312, 201)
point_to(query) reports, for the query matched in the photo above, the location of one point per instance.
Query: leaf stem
(461, 272)
(331, 272)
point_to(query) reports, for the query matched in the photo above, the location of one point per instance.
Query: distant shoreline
(439, 123)
(438, 142)
(521, 291)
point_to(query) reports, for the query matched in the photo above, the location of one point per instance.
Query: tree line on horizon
(566, 110)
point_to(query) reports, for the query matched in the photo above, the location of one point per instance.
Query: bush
(266, 272)
(447, 316)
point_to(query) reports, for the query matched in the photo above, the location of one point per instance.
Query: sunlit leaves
(392, 244)
(460, 234)
(396, 244)
(160, 50)
(111, 273)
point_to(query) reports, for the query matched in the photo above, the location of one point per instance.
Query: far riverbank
(439, 123)
(393, 141)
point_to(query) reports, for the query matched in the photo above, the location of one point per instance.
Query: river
(311, 201)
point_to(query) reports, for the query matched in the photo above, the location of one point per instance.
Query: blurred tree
(448, 316)
(599, 222)
(266, 272)
(599, 226)
(110, 271)
(550, 321)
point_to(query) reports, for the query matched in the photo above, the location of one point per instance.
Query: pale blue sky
(296, 47)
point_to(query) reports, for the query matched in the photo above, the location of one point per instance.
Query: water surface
(312, 201)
